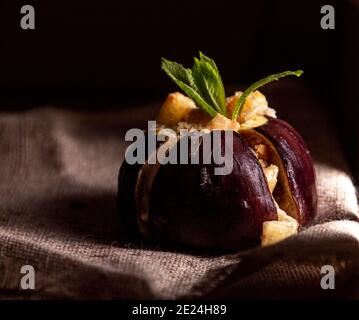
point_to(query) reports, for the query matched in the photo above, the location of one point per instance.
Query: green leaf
(239, 104)
(177, 71)
(211, 62)
(203, 83)
(209, 83)
(184, 79)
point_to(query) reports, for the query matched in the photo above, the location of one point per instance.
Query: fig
(191, 205)
(268, 195)
(296, 193)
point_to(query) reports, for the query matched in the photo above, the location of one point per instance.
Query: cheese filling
(285, 226)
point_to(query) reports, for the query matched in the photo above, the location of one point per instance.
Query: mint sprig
(202, 83)
(240, 102)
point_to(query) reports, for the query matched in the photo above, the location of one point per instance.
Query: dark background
(106, 54)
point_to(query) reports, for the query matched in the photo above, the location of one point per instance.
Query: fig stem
(273, 77)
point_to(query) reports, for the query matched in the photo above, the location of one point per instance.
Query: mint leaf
(203, 83)
(184, 79)
(239, 104)
(214, 66)
(177, 71)
(209, 83)
(202, 57)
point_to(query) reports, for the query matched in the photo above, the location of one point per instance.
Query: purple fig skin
(192, 206)
(298, 165)
(126, 202)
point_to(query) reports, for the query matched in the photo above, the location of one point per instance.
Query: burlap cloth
(58, 174)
